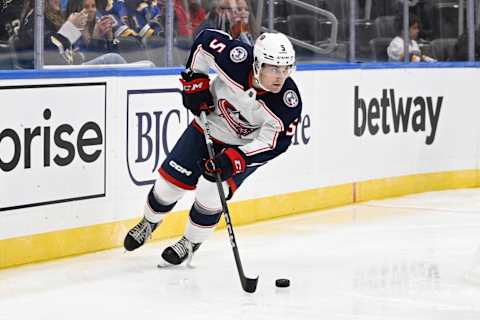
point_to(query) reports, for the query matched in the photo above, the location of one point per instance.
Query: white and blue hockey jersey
(261, 123)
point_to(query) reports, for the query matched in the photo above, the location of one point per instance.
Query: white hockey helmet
(274, 49)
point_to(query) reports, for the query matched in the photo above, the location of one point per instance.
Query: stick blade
(249, 284)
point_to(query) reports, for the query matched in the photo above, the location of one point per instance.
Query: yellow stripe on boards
(250, 211)
(63, 243)
(398, 186)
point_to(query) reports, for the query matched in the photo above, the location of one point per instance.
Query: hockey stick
(248, 284)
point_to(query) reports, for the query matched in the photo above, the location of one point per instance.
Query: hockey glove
(196, 94)
(228, 163)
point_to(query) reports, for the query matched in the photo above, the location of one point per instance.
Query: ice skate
(177, 253)
(139, 234)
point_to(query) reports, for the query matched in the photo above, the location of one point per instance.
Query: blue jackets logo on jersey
(234, 119)
(290, 98)
(238, 54)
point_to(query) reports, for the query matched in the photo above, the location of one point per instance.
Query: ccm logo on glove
(195, 86)
(196, 94)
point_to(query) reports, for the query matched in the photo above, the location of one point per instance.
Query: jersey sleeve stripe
(194, 57)
(267, 148)
(251, 153)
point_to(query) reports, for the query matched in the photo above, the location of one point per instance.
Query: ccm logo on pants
(179, 168)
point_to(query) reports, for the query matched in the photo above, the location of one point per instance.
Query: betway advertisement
(393, 114)
(52, 144)
(378, 123)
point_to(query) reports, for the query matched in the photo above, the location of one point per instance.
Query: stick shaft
(226, 212)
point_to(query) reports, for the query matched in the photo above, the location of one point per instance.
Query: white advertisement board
(52, 144)
(392, 122)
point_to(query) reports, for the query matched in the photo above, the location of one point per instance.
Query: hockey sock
(201, 223)
(155, 210)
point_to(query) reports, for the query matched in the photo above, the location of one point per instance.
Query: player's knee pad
(207, 197)
(166, 192)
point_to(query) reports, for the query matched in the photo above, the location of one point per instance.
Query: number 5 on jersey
(292, 128)
(217, 45)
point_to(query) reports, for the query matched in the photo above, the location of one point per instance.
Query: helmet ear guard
(257, 66)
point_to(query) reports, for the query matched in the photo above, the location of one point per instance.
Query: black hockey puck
(282, 283)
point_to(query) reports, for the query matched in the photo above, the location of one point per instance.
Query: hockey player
(253, 108)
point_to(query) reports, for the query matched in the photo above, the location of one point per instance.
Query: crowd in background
(115, 31)
(127, 31)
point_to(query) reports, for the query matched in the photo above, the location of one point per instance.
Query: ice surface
(403, 258)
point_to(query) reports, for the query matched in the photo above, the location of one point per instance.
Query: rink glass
(322, 31)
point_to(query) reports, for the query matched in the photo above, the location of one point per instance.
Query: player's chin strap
(248, 284)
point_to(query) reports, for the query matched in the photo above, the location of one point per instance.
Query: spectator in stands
(130, 43)
(97, 36)
(233, 17)
(59, 37)
(243, 27)
(220, 16)
(396, 48)
(10, 13)
(189, 15)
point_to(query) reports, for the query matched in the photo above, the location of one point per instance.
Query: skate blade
(164, 264)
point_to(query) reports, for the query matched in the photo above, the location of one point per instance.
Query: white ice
(403, 258)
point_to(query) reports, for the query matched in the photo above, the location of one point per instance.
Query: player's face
(273, 77)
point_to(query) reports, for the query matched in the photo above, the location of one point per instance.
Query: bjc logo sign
(155, 121)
